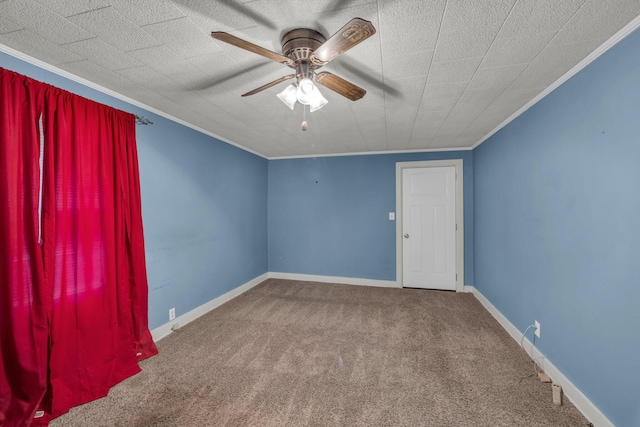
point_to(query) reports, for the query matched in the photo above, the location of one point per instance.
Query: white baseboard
(580, 401)
(334, 279)
(164, 330)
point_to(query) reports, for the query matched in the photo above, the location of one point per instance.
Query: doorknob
(406, 235)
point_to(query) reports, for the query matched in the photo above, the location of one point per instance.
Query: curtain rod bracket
(143, 121)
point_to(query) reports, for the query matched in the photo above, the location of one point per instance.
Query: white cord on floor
(535, 366)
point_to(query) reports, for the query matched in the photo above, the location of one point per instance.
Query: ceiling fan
(306, 50)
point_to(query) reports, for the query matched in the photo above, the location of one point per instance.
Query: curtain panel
(74, 287)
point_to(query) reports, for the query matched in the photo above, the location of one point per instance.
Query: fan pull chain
(304, 118)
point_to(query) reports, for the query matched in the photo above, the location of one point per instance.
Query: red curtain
(24, 298)
(91, 266)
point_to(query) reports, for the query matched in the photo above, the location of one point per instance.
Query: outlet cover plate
(172, 313)
(537, 331)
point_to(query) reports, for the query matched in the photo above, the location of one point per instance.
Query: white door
(429, 228)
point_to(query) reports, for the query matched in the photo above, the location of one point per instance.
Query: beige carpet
(300, 353)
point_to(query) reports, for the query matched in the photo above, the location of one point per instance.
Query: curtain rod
(143, 120)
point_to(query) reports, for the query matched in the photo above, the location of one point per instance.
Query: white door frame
(457, 163)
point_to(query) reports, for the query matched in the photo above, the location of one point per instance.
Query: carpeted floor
(301, 353)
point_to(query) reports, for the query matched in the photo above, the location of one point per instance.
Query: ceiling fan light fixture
(305, 92)
(288, 96)
(318, 101)
(306, 87)
(308, 94)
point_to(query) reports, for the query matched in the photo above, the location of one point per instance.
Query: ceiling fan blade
(340, 86)
(268, 85)
(357, 30)
(209, 83)
(361, 72)
(212, 10)
(335, 6)
(243, 44)
(243, 9)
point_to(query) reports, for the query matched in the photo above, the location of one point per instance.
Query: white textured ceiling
(439, 74)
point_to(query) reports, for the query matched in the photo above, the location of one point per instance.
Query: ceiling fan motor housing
(298, 45)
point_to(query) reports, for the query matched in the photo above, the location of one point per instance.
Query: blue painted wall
(204, 207)
(205, 216)
(328, 216)
(557, 203)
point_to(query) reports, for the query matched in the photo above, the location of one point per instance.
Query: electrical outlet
(172, 313)
(537, 331)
